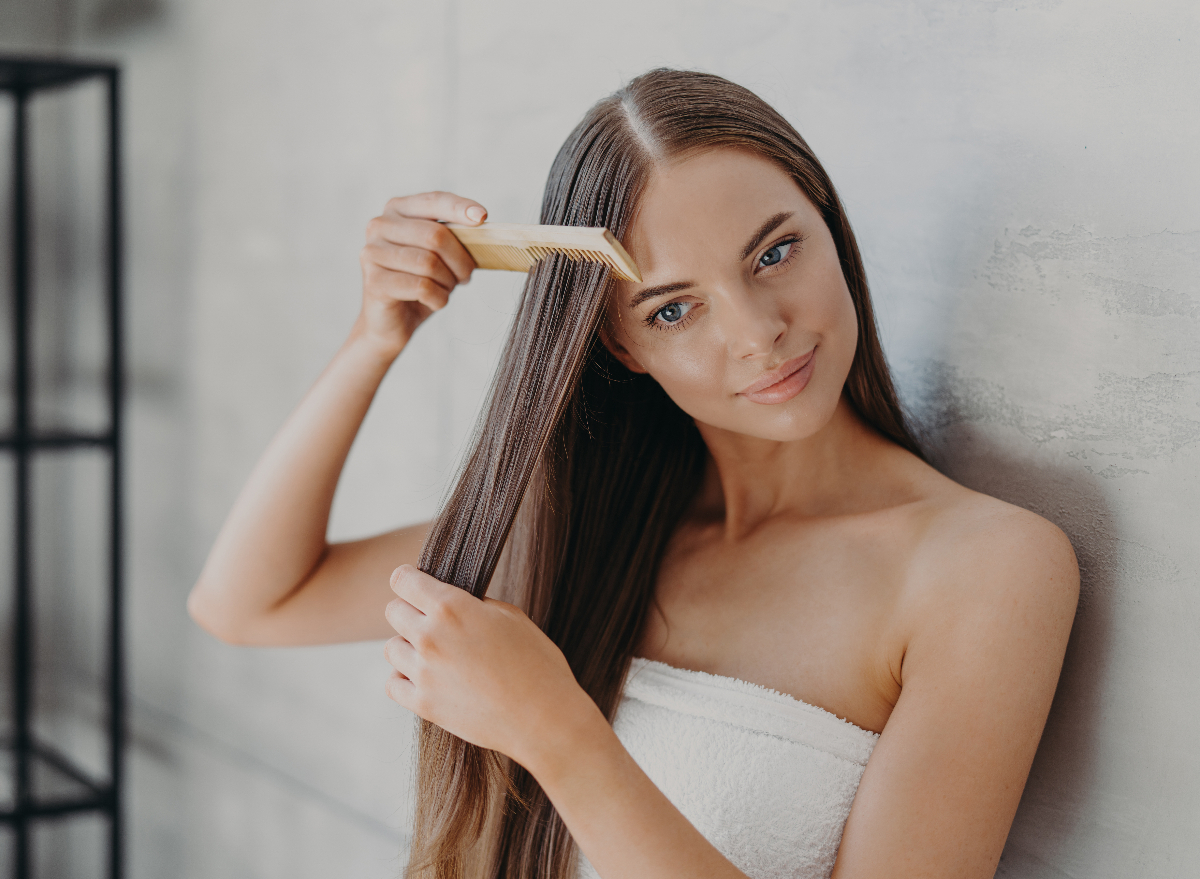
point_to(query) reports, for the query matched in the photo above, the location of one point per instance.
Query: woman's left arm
(988, 629)
(485, 672)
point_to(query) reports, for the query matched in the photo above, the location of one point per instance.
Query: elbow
(214, 619)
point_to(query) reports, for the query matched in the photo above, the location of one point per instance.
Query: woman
(701, 499)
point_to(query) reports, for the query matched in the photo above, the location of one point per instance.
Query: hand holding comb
(516, 247)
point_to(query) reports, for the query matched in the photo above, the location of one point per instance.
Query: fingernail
(475, 213)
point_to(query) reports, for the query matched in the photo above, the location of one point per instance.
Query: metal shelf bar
(31, 72)
(22, 77)
(97, 795)
(67, 767)
(116, 635)
(56, 808)
(22, 611)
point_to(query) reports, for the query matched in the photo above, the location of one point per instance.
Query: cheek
(829, 310)
(846, 322)
(688, 371)
(828, 318)
(835, 323)
(692, 371)
(838, 321)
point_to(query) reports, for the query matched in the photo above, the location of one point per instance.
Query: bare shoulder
(984, 614)
(978, 556)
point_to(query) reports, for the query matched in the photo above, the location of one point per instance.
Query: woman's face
(743, 314)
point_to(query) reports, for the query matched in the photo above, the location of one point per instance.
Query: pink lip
(781, 384)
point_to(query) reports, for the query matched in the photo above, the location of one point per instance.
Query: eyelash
(791, 254)
(651, 320)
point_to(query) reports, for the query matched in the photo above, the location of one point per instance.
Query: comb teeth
(501, 256)
(518, 248)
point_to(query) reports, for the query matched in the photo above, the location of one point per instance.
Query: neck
(838, 470)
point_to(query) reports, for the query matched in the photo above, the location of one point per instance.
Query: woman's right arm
(271, 577)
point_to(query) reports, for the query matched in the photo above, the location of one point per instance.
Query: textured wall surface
(1022, 177)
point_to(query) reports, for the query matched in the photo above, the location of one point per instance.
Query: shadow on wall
(1063, 772)
(110, 16)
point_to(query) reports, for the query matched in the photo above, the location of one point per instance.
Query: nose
(753, 324)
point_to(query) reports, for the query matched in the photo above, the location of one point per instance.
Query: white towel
(766, 778)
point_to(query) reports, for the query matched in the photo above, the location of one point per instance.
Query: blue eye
(673, 313)
(776, 254)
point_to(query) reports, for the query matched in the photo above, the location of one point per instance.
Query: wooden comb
(516, 247)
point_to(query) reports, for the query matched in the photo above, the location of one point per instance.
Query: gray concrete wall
(1023, 181)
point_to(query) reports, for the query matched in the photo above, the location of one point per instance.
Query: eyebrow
(772, 223)
(764, 230)
(661, 290)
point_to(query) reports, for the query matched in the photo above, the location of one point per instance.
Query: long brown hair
(580, 470)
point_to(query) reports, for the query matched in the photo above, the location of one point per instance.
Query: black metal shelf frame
(32, 760)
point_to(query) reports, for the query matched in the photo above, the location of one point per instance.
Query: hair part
(581, 548)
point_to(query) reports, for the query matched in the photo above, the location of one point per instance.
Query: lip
(782, 383)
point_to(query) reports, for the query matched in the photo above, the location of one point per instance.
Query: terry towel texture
(766, 778)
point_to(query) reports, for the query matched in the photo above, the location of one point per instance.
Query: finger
(400, 690)
(402, 657)
(422, 591)
(413, 260)
(445, 207)
(406, 288)
(427, 235)
(405, 619)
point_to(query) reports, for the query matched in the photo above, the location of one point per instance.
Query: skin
(819, 559)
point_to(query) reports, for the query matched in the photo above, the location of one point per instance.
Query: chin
(781, 434)
(782, 427)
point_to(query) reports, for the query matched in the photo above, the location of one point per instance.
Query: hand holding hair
(482, 670)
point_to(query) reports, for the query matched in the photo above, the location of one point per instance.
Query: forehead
(708, 200)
